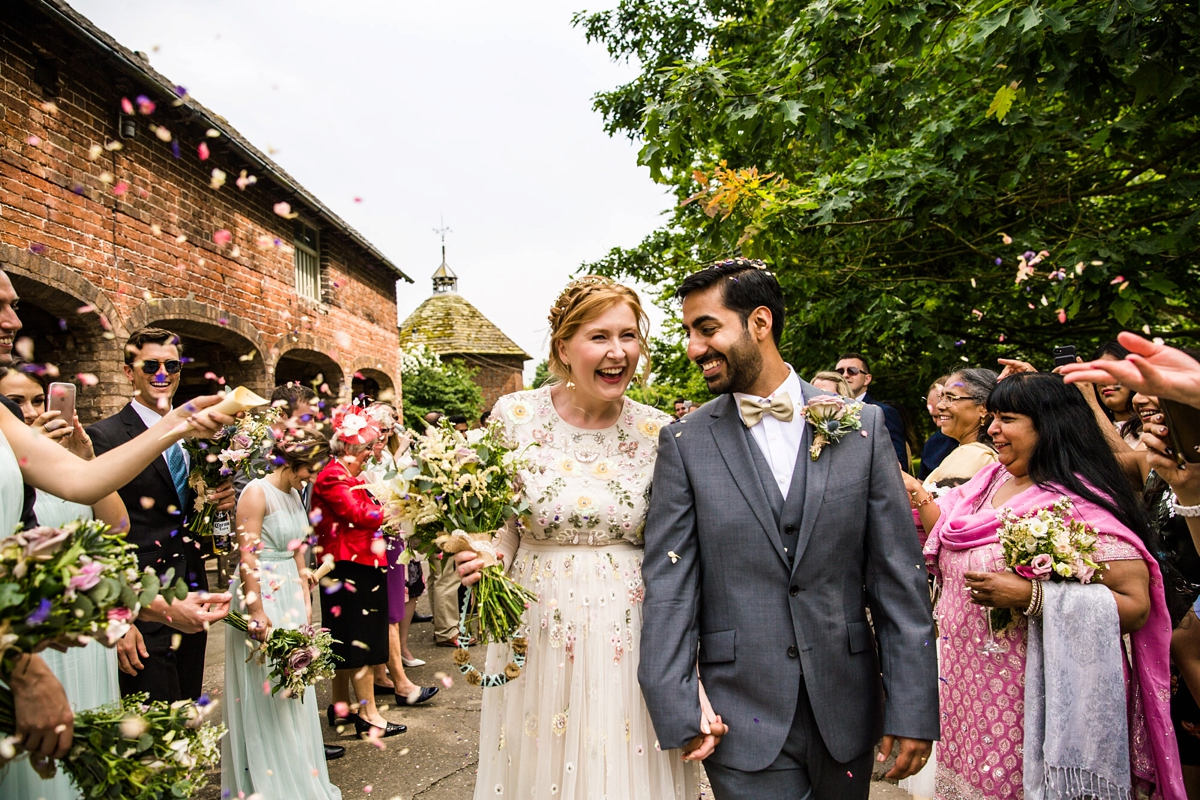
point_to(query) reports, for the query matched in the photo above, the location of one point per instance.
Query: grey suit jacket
(729, 599)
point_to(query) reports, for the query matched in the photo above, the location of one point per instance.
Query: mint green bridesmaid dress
(273, 748)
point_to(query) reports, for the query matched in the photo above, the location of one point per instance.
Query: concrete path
(435, 759)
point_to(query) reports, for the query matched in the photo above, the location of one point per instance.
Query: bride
(574, 724)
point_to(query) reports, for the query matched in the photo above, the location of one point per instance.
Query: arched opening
(76, 338)
(373, 384)
(311, 368)
(214, 358)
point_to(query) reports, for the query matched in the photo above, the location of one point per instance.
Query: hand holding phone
(61, 398)
(1063, 355)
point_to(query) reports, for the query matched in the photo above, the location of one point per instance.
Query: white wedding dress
(574, 724)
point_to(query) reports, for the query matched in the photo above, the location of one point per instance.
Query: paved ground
(435, 759)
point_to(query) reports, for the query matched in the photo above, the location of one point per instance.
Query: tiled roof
(450, 325)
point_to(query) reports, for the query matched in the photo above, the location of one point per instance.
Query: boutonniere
(831, 417)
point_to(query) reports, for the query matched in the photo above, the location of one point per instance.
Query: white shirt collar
(790, 387)
(147, 414)
(861, 396)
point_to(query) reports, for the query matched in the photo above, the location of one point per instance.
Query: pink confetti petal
(284, 209)
(87, 379)
(126, 106)
(33, 140)
(1062, 315)
(1116, 280)
(222, 237)
(203, 151)
(121, 188)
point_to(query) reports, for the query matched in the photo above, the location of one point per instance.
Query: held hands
(910, 758)
(711, 731)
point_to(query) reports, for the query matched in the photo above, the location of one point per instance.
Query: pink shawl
(969, 521)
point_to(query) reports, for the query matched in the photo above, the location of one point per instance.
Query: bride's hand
(468, 563)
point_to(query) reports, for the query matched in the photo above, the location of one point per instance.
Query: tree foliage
(431, 384)
(892, 160)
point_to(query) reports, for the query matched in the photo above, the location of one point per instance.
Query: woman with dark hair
(273, 748)
(1117, 400)
(1003, 733)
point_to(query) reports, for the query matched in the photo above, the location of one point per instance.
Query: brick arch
(316, 351)
(377, 370)
(221, 343)
(75, 342)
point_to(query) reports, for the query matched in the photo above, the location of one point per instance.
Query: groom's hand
(909, 760)
(702, 746)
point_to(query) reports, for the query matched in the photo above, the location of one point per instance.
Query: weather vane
(442, 231)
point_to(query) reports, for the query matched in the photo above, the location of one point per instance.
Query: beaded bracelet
(462, 656)
(1185, 511)
(1034, 609)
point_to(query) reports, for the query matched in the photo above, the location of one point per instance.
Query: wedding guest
(574, 725)
(938, 445)
(390, 678)
(459, 422)
(1150, 368)
(44, 721)
(832, 382)
(681, 406)
(273, 748)
(354, 598)
(857, 372)
(88, 674)
(163, 658)
(445, 597)
(10, 326)
(1116, 399)
(1050, 448)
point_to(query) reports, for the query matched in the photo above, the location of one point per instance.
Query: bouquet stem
(499, 604)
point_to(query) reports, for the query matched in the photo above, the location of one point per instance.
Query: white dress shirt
(151, 418)
(779, 441)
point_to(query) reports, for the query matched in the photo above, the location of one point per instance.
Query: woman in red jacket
(347, 521)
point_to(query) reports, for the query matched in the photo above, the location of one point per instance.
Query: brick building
(453, 328)
(126, 203)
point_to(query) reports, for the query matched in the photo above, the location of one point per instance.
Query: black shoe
(420, 618)
(363, 728)
(333, 752)
(384, 689)
(335, 720)
(426, 693)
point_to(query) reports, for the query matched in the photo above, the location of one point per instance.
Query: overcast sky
(478, 111)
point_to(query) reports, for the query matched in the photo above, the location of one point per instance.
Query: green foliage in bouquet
(298, 658)
(71, 582)
(234, 451)
(132, 749)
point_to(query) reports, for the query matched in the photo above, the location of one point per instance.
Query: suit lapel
(135, 427)
(814, 474)
(734, 447)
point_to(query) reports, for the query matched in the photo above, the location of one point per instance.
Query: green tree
(934, 183)
(430, 384)
(541, 374)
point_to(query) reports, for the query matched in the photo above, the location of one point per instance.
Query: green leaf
(1030, 18)
(991, 25)
(10, 595)
(1002, 101)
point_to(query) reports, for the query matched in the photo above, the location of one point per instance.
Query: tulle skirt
(574, 724)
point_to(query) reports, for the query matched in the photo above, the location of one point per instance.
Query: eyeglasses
(851, 371)
(151, 366)
(949, 399)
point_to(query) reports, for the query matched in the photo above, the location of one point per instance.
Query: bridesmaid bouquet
(131, 749)
(71, 584)
(298, 658)
(1046, 544)
(458, 491)
(233, 451)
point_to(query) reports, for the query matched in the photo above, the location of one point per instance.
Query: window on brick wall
(308, 261)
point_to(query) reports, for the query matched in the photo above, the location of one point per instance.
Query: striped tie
(179, 471)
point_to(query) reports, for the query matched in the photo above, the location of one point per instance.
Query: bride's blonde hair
(581, 302)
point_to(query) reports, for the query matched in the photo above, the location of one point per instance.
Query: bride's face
(603, 354)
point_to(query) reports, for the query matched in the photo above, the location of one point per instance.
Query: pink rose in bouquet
(1039, 568)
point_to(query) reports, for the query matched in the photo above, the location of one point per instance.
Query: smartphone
(1183, 430)
(1064, 354)
(61, 398)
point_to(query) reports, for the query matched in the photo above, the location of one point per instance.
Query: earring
(570, 384)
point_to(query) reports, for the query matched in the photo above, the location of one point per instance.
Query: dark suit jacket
(158, 532)
(895, 428)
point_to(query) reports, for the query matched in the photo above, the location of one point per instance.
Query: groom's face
(720, 343)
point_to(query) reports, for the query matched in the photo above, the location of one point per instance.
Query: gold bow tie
(752, 411)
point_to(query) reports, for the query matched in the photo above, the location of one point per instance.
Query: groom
(760, 568)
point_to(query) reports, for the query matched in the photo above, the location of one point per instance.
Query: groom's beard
(743, 365)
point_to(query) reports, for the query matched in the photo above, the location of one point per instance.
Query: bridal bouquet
(131, 749)
(298, 658)
(71, 583)
(233, 451)
(1046, 544)
(458, 491)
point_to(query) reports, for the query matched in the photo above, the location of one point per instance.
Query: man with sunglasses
(854, 368)
(163, 654)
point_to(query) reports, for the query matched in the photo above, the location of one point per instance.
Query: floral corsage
(831, 417)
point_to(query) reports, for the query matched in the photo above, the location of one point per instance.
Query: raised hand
(1152, 369)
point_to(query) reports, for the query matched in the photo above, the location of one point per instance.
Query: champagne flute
(981, 559)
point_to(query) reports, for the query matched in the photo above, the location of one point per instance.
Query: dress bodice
(12, 491)
(283, 523)
(587, 487)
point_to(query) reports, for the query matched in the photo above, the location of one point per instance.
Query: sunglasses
(151, 366)
(851, 371)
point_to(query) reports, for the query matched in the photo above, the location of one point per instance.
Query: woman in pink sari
(1049, 447)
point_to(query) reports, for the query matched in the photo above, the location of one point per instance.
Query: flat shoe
(419, 619)
(426, 693)
(334, 752)
(384, 689)
(363, 729)
(412, 662)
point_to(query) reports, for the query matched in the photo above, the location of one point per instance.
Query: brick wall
(72, 237)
